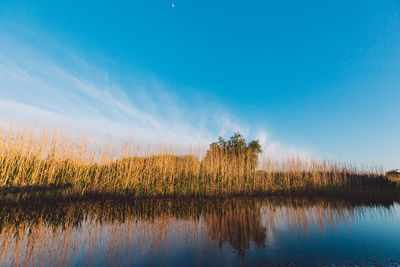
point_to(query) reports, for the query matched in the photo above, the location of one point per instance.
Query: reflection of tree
(236, 222)
(153, 225)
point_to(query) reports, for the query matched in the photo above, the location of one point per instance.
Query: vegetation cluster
(394, 175)
(50, 163)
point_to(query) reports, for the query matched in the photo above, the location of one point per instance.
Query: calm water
(239, 232)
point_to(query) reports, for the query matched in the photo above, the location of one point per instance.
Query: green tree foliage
(237, 146)
(395, 171)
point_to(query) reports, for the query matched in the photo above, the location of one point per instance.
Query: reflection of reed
(304, 214)
(109, 243)
(122, 232)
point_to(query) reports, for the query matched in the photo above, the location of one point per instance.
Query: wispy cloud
(37, 88)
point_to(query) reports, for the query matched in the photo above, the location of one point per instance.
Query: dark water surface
(207, 232)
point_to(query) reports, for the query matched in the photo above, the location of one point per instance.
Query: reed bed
(60, 164)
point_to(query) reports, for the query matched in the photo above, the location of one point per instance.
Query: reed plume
(35, 159)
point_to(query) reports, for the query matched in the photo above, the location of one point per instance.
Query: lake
(203, 232)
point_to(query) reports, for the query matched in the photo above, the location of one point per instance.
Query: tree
(393, 173)
(237, 146)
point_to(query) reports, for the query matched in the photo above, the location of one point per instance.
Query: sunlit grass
(50, 161)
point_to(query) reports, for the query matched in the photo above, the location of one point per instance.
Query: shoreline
(14, 197)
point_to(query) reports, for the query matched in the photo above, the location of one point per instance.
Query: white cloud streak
(35, 88)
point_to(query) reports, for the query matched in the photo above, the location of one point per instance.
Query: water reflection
(175, 232)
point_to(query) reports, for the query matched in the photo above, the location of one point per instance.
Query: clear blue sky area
(323, 76)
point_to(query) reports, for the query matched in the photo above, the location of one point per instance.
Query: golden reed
(33, 158)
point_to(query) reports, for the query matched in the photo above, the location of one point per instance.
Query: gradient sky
(313, 77)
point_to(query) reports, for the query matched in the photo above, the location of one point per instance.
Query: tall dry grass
(39, 158)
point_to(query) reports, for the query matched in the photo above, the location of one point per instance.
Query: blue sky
(310, 77)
